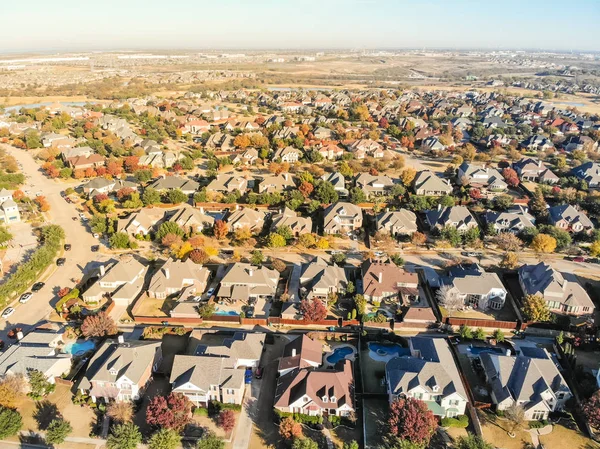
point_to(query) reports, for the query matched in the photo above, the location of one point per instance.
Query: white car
(96, 236)
(210, 292)
(197, 298)
(8, 312)
(25, 297)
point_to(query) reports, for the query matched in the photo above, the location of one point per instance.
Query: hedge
(216, 407)
(538, 424)
(74, 293)
(300, 417)
(461, 421)
(29, 272)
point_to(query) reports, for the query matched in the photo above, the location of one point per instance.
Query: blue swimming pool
(79, 347)
(226, 312)
(476, 350)
(339, 354)
(384, 352)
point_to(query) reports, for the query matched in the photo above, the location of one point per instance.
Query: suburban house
(374, 185)
(562, 296)
(246, 218)
(366, 147)
(588, 172)
(386, 281)
(302, 352)
(119, 371)
(533, 383)
(104, 185)
(243, 281)
(69, 153)
(534, 170)
(88, 161)
(228, 184)
(475, 287)
(322, 392)
(122, 281)
(140, 223)
(330, 151)
(38, 350)
(247, 157)
(276, 183)
(399, 222)
(429, 375)
(480, 176)
(429, 184)
(243, 348)
(176, 276)
(342, 218)
(192, 220)
(432, 143)
(567, 218)
(515, 219)
(9, 211)
(537, 142)
(575, 143)
(458, 217)
(319, 279)
(186, 185)
(338, 182)
(288, 217)
(288, 154)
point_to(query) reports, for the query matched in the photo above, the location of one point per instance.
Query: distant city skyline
(73, 25)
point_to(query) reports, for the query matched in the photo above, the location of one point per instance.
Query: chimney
(250, 271)
(102, 270)
(19, 335)
(294, 352)
(439, 207)
(121, 339)
(380, 277)
(201, 210)
(286, 176)
(167, 273)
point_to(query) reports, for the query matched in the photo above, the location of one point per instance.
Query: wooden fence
(494, 324)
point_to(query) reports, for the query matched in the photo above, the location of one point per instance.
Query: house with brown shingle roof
(384, 280)
(302, 352)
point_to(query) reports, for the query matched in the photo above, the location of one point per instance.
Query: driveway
(41, 304)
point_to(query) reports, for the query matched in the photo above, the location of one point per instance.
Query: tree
(242, 141)
(326, 193)
(351, 445)
(304, 443)
(257, 257)
(535, 308)
(306, 188)
(562, 237)
(357, 195)
(134, 201)
(290, 429)
(150, 196)
(168, 227)
(10, 422)
(124, 436)
(503, 202)
(119, 240)
(507, 241)
(39, 385)
(279, 265)
(471, 235)
(447, 298)
(275, 240)
(209, 441)
(164, 439)
(313, 310)
(5, 235)
(220, 229)
(515, 414)
(171, 412)
(350, 288)
(12, 390)
(407, 176)
(121, 412)
(510, 260)
(199, 256)
(418, 238)
(322, 243)
(58, 430)
(465, 332)
(227, 420)
(307, 240)
(206, 309)
(591, 410)
(361, 303)
(452, 235)
(176, 196)
(543, 243)
(410, 419)
(511, 177)
(472, 441)
(479, 334)
(98, 224)
(595, 249)
(99, 325)
(498, 335)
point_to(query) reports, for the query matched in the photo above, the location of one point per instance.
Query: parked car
(8, 312)
(579, 259)
(60, 261)
(210, 292)
(259, 372)
(67, 247)
(25, 297)
(37, 286)
(96, 236)
(249, 312)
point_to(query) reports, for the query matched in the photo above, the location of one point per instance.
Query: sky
(76, 25)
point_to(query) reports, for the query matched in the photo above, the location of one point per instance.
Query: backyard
(374, 415)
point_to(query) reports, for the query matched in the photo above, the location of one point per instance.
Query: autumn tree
(511, 177)
(199, 256)
(510, 260)
(307, 240)
(226, 420)
(290, 429)
(448, 298)
(220, 229)
(410, 419)
(306, 188)
(12, 390)
(99, 325)
(313, 310)
(507, 241)
(591, 410)
(535, 308)
(407, 176)
(171, 412)
(543, 243)
(122, 411)
(418, 238)
(242, 141)
(472, 441)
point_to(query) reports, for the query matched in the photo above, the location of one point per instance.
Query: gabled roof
(402, 220)
(202, 372)
(429, 181)
(299, 351)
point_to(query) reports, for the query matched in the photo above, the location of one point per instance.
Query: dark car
(67, 247)
(60, 261)
(259, 372)
(579, 259)
(249, 312)
(37, 286)
(95, 248)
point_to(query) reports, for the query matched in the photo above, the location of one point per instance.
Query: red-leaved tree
(510, 176)
(290, 429)
(313, 310)
(99, 325)
(410, 419)
(171, 412)
(591, 409)
(220, 229)
(227, 420)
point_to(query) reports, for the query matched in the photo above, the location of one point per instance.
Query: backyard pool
(386, 352)
(79, 347)
(340, 353)
(226, 312)
(476, 350)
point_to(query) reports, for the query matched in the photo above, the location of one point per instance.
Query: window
(333, 399)
(325, 398)
(561, 395)
(418, 395)
(538, 415)
(453, 402)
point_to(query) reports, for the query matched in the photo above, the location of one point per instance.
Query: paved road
(40, 305)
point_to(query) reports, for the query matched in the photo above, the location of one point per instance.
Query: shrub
(201, 411)
(461, 421)
(10, 422)
(57, 431)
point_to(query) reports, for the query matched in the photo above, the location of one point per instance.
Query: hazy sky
(42, 25)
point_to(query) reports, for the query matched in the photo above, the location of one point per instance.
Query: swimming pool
(384, 352)
(339, 353)
(226, 312)
(79, 347)
(476, 350)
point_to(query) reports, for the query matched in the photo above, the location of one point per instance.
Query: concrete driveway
(41, 304)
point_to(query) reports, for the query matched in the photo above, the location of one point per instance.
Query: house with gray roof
(397, 222)
(429, 375)
(537, 142)
(338, 181)
(244, 217)
(121, 371)
(141, 222)
(374, 185)
(228, 184)
(569, 219)
(532, 383)
(563, 296)
(458, 217)
(177, 276)
(288, 154)
(191, 219)
(320, 279)
(515, 219)
(287, 217)
(9, 211)
(480, 176)
(186, 185)
(276, 183)
(122, 281)
(103, 185)
(244, 349)
(429, 184)
(534, 170)
(243, 281)
(342, 218)
(588, 172)
(475, 287)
